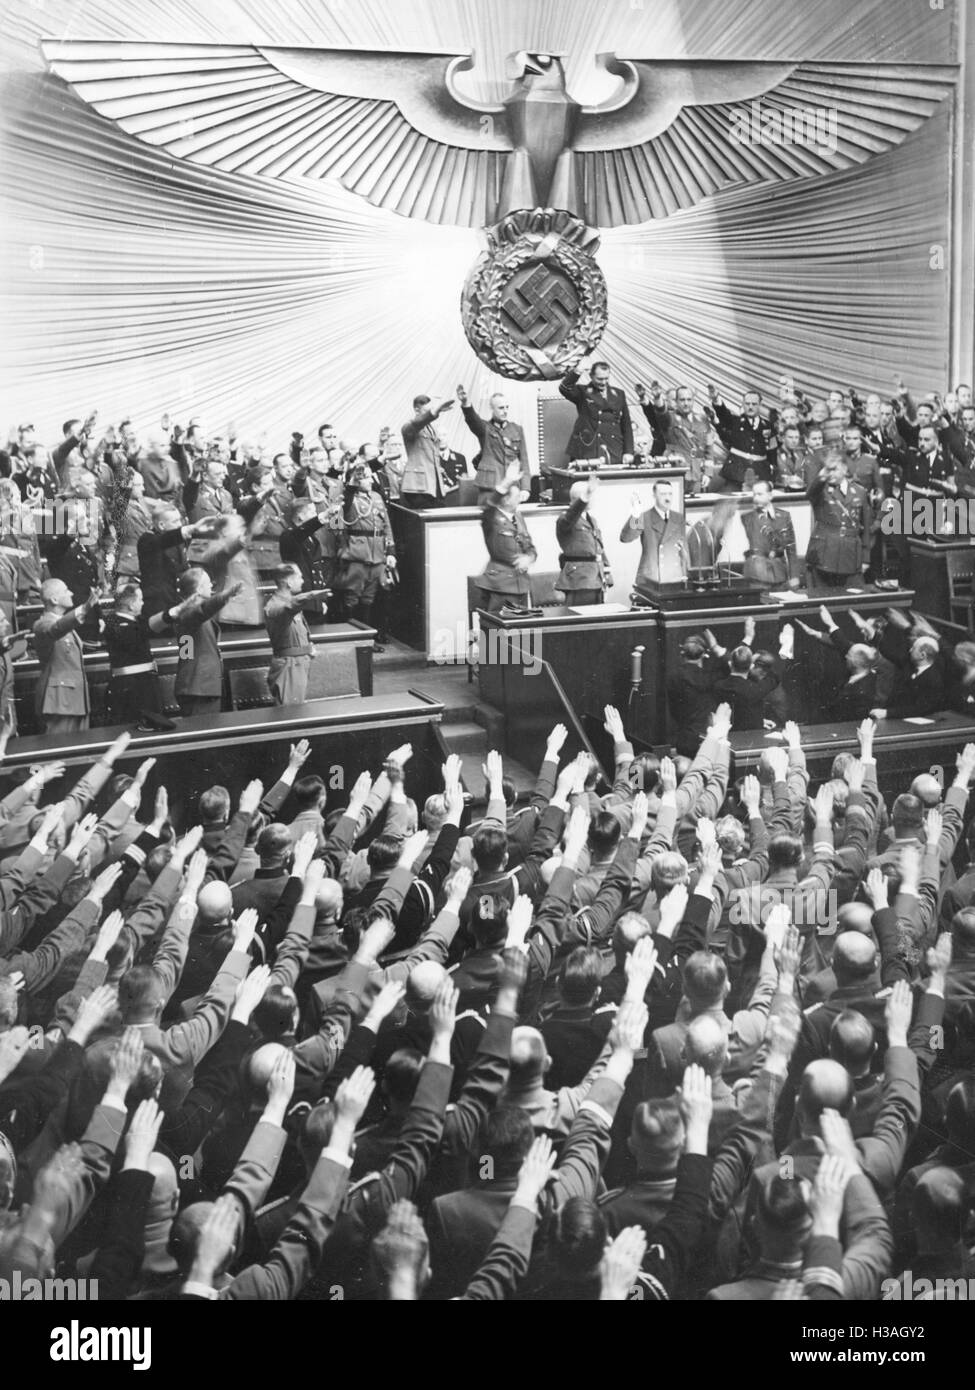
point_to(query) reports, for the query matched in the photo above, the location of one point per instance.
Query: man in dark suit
(770, 559)
(744, 693)
(603, 428)
(690, 695)
(853, 700)
(661, 535)
(502, 444)
(842, 520)
(920, 687)
(162, 557)
(512, 552)
(584, 576)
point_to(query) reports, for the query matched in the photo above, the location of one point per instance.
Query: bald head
(262, 1063)
(186, 1235)
(927, 789)
(940, 1209)
(854, 957)
(529, 1059)
(851, 1042)
(855, 917)
(706, 1044)
(328, 898)
(424, 981)
(214, 903)
(825, 1085)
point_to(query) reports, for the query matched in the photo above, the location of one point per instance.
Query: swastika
(540, 306)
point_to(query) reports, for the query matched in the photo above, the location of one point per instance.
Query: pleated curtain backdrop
(141, 284)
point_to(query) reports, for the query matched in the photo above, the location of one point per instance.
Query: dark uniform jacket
(602, 423)
(162, 559)
(692, 701)
(583, 558)
(506, 537)
(924, 472)
(751, 444)
(74, 564)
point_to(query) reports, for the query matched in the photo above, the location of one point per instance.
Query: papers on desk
(917, 719)
(594, 610)
(788, 596)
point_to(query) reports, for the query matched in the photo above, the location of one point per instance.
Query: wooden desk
(242, 648)
(930, 564)
(903, 749)
(591, 654)
(347, 735)
(439, 550)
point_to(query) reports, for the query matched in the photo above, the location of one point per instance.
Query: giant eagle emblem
(538, 170)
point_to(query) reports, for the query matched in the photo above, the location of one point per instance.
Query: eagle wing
(680, 131)
(394, 128)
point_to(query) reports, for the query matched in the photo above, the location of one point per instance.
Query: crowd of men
(688, 1035)
(851, 456)
(123, 540)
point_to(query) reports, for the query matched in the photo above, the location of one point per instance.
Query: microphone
(636, 668)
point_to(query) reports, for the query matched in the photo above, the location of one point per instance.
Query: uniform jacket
(367, 536)
(602, 421)
(841, 527)
(501, 444)
(924, 472)
(162, 559)
(583, 558)
(506, 537)
(664, 557)
(422, 456)
(200, 671)
(286, 627)
(62, 687)
(751, 444)
(771, 536)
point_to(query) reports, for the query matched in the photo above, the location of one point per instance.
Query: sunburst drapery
(141, 284)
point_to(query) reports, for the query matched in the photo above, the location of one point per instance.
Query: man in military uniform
(750, 439)
(585, 575)
(291, 645)
(423, 484)
(71, 560)
(770, 559)
(603, 428)
(274, 516)
(660, 532)
(925, 471)
(792, 462)
(301, 545)
(842, 521)
(502, 443)
(61, 695)
(367, 551)
(683, 430)
(505, 581)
